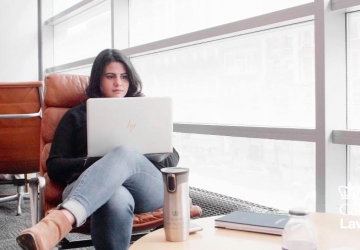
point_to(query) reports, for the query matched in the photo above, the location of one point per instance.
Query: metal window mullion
(342, 4)
(120, 24)
(330, 79)
(292, 134)
(71, 11)
(40, 50)
(46, 37)
(346, 137)
(265, 21)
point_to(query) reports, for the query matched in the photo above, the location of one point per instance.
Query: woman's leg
(46, 233)
(122, 166)
(111, 224)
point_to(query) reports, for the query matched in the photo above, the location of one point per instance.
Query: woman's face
(115, 82)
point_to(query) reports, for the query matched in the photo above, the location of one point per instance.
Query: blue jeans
(118, 185)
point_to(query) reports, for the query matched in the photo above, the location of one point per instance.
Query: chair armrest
(37, 198)
(20, 84)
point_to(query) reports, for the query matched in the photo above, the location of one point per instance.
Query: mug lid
(174, 170)
(299, 211)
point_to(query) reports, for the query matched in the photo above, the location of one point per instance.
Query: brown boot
(45, 234)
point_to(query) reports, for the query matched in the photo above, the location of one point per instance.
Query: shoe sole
(27, 242)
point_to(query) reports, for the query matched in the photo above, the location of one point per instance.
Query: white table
(328, 227)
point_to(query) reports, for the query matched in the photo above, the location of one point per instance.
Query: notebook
(254, 222)
(144, 123)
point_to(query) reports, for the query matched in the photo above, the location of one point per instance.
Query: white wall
(18, 40)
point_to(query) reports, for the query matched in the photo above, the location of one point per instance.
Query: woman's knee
(127, 154)
(125, 150)
(121, 202)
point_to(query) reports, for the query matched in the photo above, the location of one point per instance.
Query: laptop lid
(144, 123)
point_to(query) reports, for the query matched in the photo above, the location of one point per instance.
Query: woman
(109, 189)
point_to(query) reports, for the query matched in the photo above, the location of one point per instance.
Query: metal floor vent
(213, 204)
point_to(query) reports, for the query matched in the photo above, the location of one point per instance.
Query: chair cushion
(51, 118)
(141, 222)
(43, 157)
(64, 90)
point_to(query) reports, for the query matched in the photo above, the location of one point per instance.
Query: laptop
(144, 123)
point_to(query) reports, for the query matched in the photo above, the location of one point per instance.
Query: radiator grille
(213, 204)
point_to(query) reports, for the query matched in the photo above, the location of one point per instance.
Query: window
(78, 71)
(61, 5)
(353, 203)
(83, 35)
(274, 173)
(152, 20)
(257, 88)
(353, 67)
(353, 107)
(262, 79)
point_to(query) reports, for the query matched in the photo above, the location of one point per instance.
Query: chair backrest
(62, 92)
(20, 119)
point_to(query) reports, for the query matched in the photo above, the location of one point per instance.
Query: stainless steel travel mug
(176, 203)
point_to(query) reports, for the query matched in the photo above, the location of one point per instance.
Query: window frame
(330, 134)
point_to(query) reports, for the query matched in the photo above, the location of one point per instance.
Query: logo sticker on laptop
(130, 126)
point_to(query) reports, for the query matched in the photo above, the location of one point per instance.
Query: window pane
(353, 181)
(279, 174)
(83, 36)
(353, 67)
(152, 20)
(79, 71)
(262, 79)
(61, 5)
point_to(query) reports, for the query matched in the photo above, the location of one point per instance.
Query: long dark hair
(101, 61)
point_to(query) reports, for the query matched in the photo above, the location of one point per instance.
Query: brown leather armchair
(61, 93)
(20, 119)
